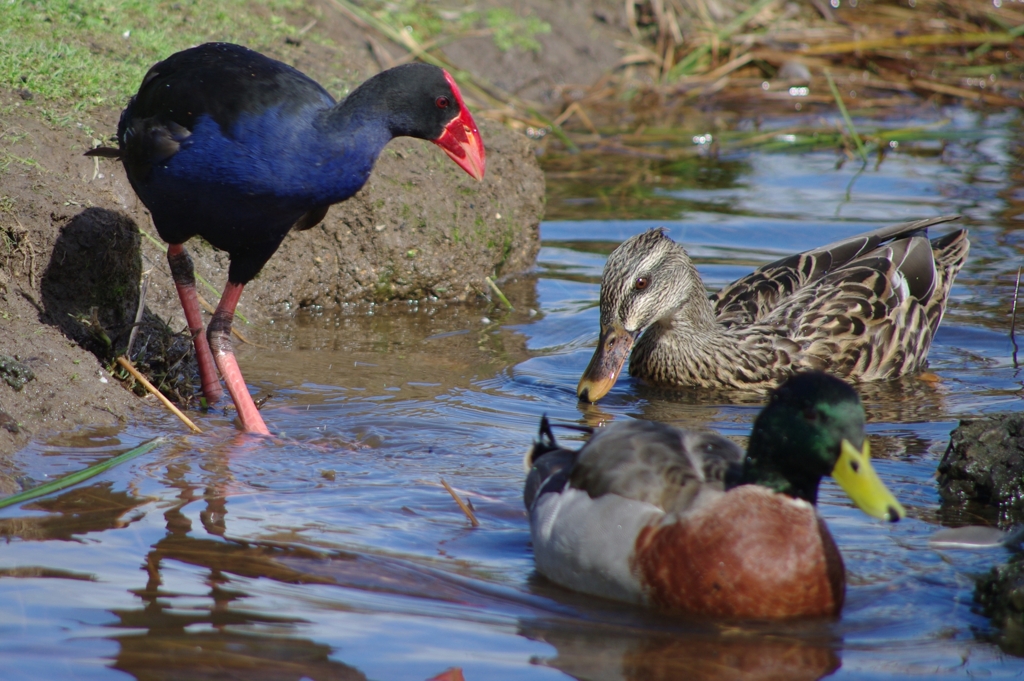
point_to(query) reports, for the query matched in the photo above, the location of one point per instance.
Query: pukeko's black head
(420, 100)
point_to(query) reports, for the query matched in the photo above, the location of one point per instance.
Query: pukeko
(238, 148)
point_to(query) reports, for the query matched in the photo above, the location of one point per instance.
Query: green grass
(80, 54)
(439, 21)
(513, 31)
(423, 20)
(79, 476)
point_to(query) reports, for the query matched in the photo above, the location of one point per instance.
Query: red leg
(219, 333)
(185, 281)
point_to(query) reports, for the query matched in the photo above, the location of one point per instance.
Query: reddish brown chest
(751, 553)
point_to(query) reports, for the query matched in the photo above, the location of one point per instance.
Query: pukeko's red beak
(461, 140)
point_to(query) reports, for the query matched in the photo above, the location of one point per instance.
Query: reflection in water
(177, 655)
(212, 634)
(200, 638)
(80, 511)
(1000, 595)
(902, 401)
(591, 654)
(188, 635)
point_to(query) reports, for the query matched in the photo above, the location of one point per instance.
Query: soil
(76, 240)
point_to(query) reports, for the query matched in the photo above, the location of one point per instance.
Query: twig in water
(462, 504)
(159, 395)
(138, 314)
(1013, 319)
(846, 117)
(79, 476)
(501, 296)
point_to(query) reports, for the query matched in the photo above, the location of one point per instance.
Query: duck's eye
(812, 415)
(641, 283)
(442, 102)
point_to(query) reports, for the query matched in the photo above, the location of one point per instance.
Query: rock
(984, 463)
(1000, 595)
(15, 373)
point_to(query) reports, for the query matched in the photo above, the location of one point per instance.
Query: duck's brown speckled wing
(874, 316)
(654, 463)
(750, 299)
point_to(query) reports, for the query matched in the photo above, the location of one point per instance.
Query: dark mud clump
(14, 373)
(984, 464)
(91, 285)
(91, 292)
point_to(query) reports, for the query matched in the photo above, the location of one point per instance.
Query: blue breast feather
(280, 153)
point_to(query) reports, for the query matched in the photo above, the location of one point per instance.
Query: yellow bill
(855, 474)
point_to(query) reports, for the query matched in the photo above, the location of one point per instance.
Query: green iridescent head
(813, 426)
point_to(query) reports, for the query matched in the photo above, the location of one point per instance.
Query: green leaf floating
(79, 476)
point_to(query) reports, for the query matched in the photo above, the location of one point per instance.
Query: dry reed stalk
(465, 508)
(151, 388)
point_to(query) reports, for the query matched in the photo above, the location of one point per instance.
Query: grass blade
(846, 118)
(497, 291)
(79, 476)
(930, 40)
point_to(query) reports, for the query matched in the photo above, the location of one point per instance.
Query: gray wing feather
(654, 463)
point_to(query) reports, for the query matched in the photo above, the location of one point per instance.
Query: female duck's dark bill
(461, 139)
(612, 350)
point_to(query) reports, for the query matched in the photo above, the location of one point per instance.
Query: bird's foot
(249, 415)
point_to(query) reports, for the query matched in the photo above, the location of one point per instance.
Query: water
(333, 552)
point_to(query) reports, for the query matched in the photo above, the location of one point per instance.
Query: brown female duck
(865, 308)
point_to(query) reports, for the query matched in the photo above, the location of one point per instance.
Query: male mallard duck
(649, 514)
(865, 308)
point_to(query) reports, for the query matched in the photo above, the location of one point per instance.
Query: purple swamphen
(228, 144)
